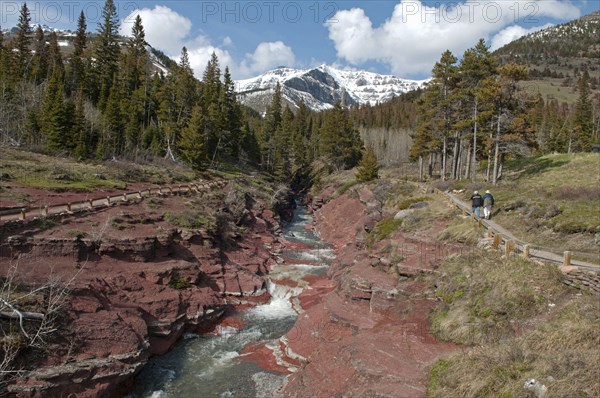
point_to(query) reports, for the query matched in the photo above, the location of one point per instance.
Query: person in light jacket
(476, 203)
(488, 202)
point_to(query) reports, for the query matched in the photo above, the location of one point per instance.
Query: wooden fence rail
(25, 213)
(511, 244)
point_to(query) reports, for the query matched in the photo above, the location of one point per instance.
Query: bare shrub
(580, 193)
(29, 317)
(444, 185)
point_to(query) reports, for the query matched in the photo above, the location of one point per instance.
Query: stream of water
(209, 366)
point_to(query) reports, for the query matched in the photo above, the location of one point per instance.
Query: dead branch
(24, 315)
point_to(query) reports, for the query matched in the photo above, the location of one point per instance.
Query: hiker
(488, 202)
(476, 203)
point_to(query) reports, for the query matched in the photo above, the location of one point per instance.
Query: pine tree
(78, 129)
(436, 112)
(3, 58)
(22, 41)
(136, 58)
(368, 168)
(583, 122)
(282, 167)
(1, 45)
(508, 113)
(77, 66)
(231, 114)
(249, 147)
(54, 57)
(340, 142)
(210, 94)
(477, 70)
(54, 125)
(302, 152)
(39, 66)
(106, 52)
(270, 127)
(134, 64)
(112, 141)
(192, 144)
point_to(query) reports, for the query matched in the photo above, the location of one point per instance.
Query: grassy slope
(516, 318)
(42, 171)
(35, 170)
(522, 323)
(551, 201)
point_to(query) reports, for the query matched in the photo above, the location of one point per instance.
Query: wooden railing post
(526, 251)
(46, 210)
(567, 258)
(497, 241)
(509, 247)
(489, 233)
(69, 207)
(124, 197)
(22, 215)
(91, 203)
(108, 200)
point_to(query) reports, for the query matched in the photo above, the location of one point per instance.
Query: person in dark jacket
(488, 202)
(476, 203)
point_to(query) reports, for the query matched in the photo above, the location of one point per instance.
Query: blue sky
(402, 37)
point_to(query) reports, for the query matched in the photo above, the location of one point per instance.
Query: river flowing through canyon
(214, 365)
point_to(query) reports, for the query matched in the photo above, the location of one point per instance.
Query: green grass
(555, 200)
(384, 228)
(46, 172)
(562, 354)
(346, 186)
(483, 295)
(190, 219)
(522, 323)
(460, 230)
(406, 203)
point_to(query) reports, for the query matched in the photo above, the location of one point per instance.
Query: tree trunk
(468, 165)
(474, 157)
(489, 158)
(496, 153)
(500, 166)
(444, 158)
(455, 156)
(461, 157)
(430, 165)
(420, 168)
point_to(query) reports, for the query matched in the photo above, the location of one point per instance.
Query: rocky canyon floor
(137, 282)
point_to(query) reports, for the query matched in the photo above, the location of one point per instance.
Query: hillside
(160, 61)
(549, 201)
(556, 56)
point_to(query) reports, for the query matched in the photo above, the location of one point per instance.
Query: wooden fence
(25, 213)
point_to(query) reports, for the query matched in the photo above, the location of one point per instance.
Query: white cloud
(267, 55)
(169, 31)
(200, 56)
(165, 29)
(512, 33)
(412, 39)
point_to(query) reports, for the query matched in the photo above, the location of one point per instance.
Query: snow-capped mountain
(321, 87)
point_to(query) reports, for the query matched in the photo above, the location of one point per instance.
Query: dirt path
(507, 235)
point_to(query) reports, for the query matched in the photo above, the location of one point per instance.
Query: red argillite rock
(133, 297)
(368, 337)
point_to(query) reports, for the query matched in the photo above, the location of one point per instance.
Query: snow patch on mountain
(321, 87)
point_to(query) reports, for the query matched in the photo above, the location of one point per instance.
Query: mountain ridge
(322, 86)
